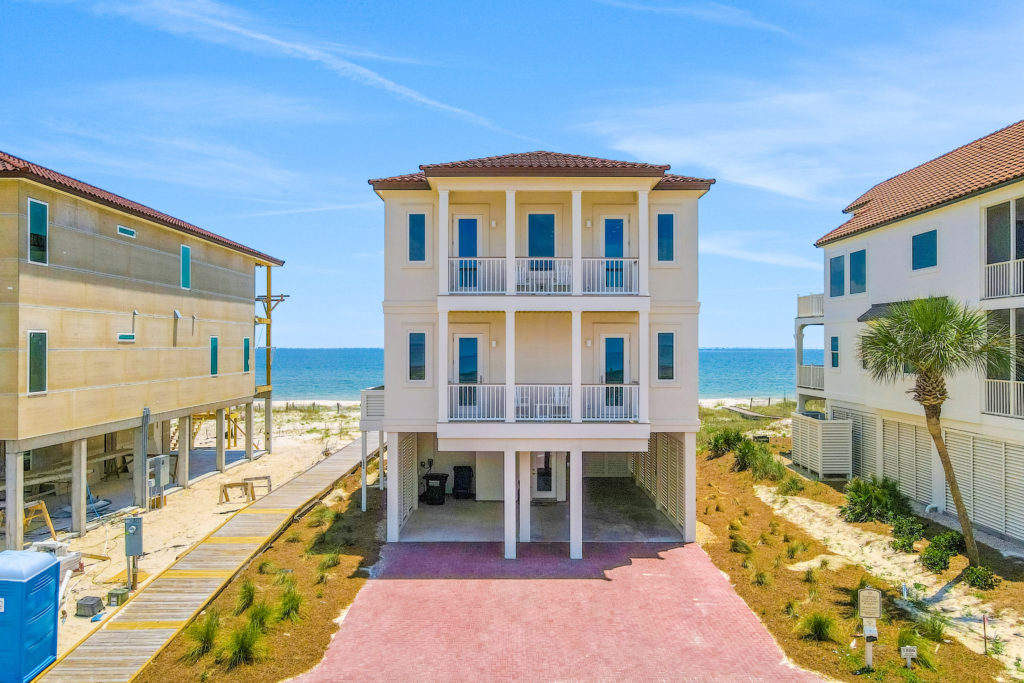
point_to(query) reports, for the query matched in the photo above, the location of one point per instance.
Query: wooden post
(15, 500)
(249, 422)
(79, 488)
(140, 460)
(221, 455)
(184, 450)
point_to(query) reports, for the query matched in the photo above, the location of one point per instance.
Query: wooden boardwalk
(158, 611)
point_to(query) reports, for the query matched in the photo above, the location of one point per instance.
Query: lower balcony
(1004, 397)
(810, 377)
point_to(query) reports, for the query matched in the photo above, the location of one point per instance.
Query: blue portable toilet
(29, 584)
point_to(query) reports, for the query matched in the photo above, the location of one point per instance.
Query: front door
(543, 467)
(614, 250)
(616, 367)
(467, 234)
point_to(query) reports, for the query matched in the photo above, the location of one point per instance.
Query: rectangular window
(834, 351)
(38, 231)
(925, 250)
(213, 356)
(666, 237)
(186, 267)
(541, 234)
(858, 272)
(417, 356)
(997, 233)
(417, 237)
(126, 232)
(666, 355)
(837, 276)
(246, 354)
(126, 338)
(36, 362)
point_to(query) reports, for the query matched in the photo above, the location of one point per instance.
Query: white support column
(441, 372)
(690, 486)
(363, 469)
(525, 495)
(510, 241)
(577, 242)
(509, 501)
(645, 369)
(15, 512)
(798, 338)
(268, 424)
(249, 424)
(576, 504)
(442, 242)
(184, 450)
(79, 458)
(394, 515)
(140, 469)
(221, 452)
(380, 460)
(644, 213)
(510, 366)
(576, 391)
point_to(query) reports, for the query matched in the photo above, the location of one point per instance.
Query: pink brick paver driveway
(459, 612)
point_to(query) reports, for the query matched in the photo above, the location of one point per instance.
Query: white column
(249, 424)
(441, 372)
(15, 512)
(510, 366)
(525, 495)
(645, 368)
(577, 242)
(380, 460)
(690, 486)
(643, 226)
(140, 469)
(184, 450)
(268, 424)
(79, 456)
(221, 454)
(510, 503)
(394, 489)
(363, 469)
(442, 242)
(510, 241)
(798, 338)
(576, 504)
(576, 391)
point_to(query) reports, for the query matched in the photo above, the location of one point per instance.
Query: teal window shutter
(186, 267)
(213, 355)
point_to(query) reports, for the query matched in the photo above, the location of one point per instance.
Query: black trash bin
(436, 483)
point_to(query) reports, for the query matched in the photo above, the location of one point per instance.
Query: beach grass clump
(933, 627)
(266, 567)
(735, 525)
(819, 627)
(724, 441)
(244, 646)
(246, 596)
(790, 486)
(738, 545)
(758, 459)
(908, 636)
(762, 579)
(291, 603)
(203, 634)
(874, 500)
(260, 614)
(320, 516)
(329, 561)
(810, 576)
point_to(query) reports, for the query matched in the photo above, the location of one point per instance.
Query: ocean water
(339, 374)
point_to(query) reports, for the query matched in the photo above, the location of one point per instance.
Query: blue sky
(262, 120)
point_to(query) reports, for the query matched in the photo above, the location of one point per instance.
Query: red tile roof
(977, 166)
(541, 164)
(15, 167)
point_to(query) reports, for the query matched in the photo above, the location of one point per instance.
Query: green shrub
(203, 633)
(909, 636)
(933, 627)
(981, 578)
(743, 456)
(903, 544)
(935, 559)
(738, 545)
(260, 614)
(762, 579)
(819, 627)
(759, 460)
(329, 562)
(246, 595)
(790, 486)
(245, 646)
(950, 541)
(873, 500)
(724, 441)
(291, 602)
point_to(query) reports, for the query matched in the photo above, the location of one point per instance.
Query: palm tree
(934, 339)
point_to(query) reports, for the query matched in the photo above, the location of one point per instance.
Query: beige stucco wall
(86, 296)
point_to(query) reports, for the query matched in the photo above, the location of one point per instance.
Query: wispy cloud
(312, 209)
(711, 12)
(219, 23)
(749, 246)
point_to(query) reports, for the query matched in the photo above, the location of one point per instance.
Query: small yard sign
(869, 600)
(908, 652)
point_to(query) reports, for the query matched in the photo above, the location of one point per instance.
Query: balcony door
(615, 367)
(467, 237)
(614, 251)
(468, 367)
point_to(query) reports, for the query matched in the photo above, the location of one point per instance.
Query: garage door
(864, 445)
(990, 475)
(907, 459)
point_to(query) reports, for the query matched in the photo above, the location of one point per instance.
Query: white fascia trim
(504, 302)
(542, 430)
(500, 445)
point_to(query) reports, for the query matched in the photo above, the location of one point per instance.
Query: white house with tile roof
(541, 331)
(953, 226)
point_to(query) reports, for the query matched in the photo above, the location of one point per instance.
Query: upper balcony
(810, 306)
(543, 275)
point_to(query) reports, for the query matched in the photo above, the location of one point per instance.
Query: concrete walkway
(637, 612)
(129, 639)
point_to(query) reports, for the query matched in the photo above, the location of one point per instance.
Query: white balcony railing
(543, 403)
(810, 306)
(810, 376)
(476, 275)
(1004, 397)
(611, 276)
(1004, 279)
(476, 402)
(610, 402)
(544, 275)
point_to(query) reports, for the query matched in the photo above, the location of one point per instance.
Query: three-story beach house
(540, 350)
(953, 226)
(115, 320)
